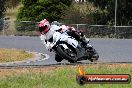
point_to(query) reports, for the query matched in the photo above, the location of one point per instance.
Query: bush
(37, 10)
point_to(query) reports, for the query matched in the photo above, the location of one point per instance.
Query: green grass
(63, 77)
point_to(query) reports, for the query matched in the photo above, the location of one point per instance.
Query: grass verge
(10, 55)
(60, 76)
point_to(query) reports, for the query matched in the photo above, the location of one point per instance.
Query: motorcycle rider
(46, 33)
(78, 35)
(47, 30)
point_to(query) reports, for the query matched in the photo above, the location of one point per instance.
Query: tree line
(62, 10)
(107, 14)
(2, 8)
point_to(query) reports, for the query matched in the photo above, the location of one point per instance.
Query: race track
(110, 50)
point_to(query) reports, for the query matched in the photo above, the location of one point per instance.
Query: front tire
(58, 58)
(67, 55)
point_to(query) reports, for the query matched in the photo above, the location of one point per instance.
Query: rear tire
(63, 53)
(58, 58)
(72, 61)
(94, 56)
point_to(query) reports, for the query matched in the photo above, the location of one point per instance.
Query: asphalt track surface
(110, 50)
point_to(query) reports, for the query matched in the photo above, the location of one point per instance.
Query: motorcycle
(69, 48)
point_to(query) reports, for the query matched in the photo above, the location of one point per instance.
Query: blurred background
(98, 18)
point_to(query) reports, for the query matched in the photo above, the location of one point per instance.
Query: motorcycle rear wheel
(94, 56)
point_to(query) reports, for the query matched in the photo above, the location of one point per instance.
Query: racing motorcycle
(69, 48)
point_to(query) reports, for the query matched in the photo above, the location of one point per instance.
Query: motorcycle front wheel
(68, 54)
(58, 58)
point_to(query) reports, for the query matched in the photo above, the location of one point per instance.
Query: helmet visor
(44, 29)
